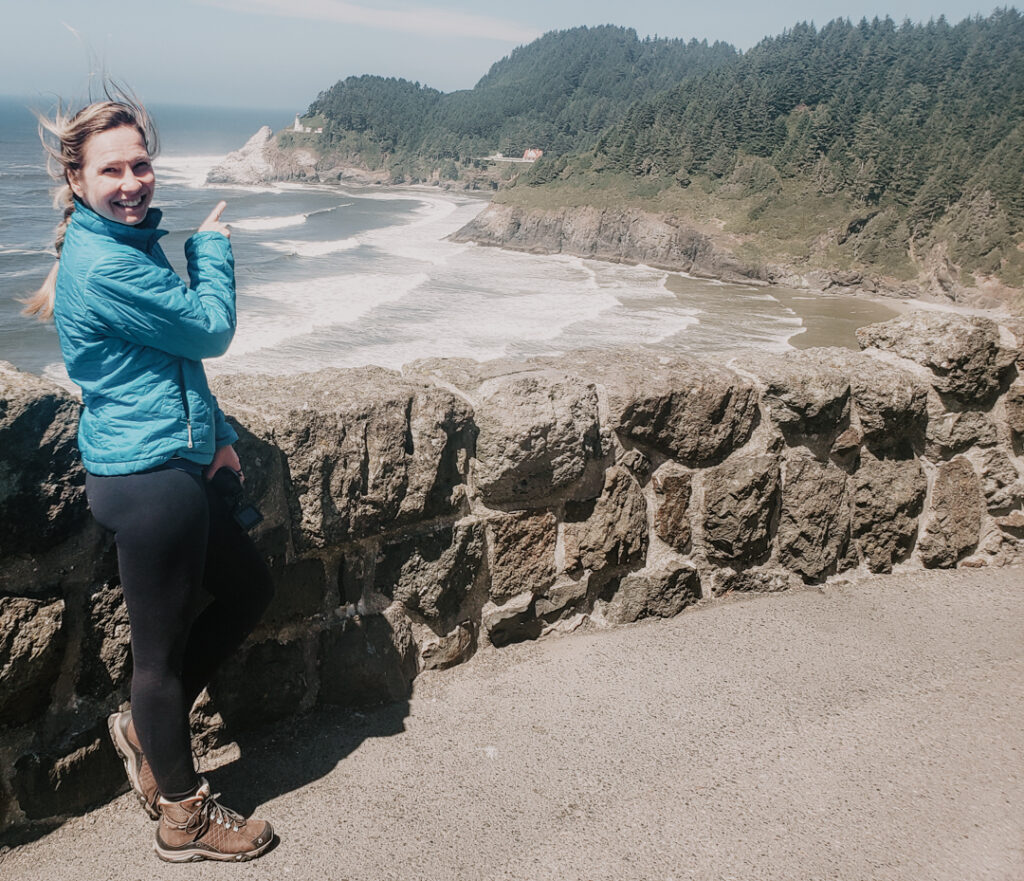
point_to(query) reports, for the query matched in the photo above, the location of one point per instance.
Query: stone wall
(414, 517)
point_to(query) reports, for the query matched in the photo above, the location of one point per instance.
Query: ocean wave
(262, 224)
(299, 248)
(188, 171)
(265, 223)
(423, 235)
(25, 252)
(275, 312)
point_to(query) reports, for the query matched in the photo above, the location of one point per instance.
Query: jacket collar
(141, 236)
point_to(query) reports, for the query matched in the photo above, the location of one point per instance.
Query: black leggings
(175, 539)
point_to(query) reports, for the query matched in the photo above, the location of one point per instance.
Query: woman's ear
(76, 187)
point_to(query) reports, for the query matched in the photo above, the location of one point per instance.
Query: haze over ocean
(347, 276)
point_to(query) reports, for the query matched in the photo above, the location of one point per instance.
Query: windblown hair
(64, 138)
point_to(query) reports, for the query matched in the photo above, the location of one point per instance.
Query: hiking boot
(140, 776)
(200, 828)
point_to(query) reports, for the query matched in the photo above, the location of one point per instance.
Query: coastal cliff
(414, 518)
(616, 234)
(674, 242)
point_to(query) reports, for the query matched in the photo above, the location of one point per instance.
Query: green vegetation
(559, 93)
(870, 145)
(894, 139)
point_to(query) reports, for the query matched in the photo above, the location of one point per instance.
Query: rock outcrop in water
(261, 160)
(413, 517)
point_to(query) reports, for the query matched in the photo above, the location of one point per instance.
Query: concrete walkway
(865, 731)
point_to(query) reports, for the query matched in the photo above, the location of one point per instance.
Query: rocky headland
(668, 241)
(415, 518)
(261, 160)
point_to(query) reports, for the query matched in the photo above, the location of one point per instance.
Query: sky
(282, 53)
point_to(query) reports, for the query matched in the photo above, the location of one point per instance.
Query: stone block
(432, 572)
(299, 588)
(740, 501)
(761, 579)
(948, 433)
(1012, 523)
(636, 462)
(890, 404)
(366, 449)
(659, 591)
(42, 482)
(106, 658)
(1014, 403)
(1001, 482)
(512, 621)
(814, 525)
(522, 553)
(803, 396)
(537, 433)
(672, 488)
(564, 593)
(84, 771)
(686, 408)
(954, 522)
(611, 531)
(32, 640)
(448, 650)
(264, 682)
(888, 497)
(366, 660)
(695, 412)
(962, 352)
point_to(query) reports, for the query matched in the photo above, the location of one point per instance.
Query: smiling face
(116, 179)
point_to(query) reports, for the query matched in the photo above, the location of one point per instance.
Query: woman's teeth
(131, 204)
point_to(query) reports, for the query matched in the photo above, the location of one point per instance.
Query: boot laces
(212, 811)
(208, 810)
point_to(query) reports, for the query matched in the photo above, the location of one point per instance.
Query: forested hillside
(558, 93)
(899, 141)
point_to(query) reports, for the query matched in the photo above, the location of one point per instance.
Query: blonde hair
(64, 139)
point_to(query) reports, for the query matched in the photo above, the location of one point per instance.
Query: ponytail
(40, 304)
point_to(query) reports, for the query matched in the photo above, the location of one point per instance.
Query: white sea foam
(25, 252)
(189, 171)
(278, 312)
(412, 294)
(265, 223)
(423, 236)
(312, 249)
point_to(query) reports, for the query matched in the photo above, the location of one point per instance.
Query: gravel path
(864, 731)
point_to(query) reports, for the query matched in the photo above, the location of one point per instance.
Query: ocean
(345, 276)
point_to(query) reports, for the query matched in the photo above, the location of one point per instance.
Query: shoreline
(827, 319)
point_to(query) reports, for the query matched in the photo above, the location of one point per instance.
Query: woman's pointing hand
(212, 222)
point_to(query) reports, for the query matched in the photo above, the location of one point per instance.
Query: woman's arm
(137, 299)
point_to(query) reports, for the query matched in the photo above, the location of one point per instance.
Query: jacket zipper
(184, 403)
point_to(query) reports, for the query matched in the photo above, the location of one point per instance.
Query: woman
(133, 336)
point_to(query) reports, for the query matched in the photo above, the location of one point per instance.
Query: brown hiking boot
(200, 828)
(122, 732)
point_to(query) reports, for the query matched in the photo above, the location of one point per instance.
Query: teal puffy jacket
(133, 335)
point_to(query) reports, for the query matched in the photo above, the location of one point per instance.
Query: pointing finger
(216, 213)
